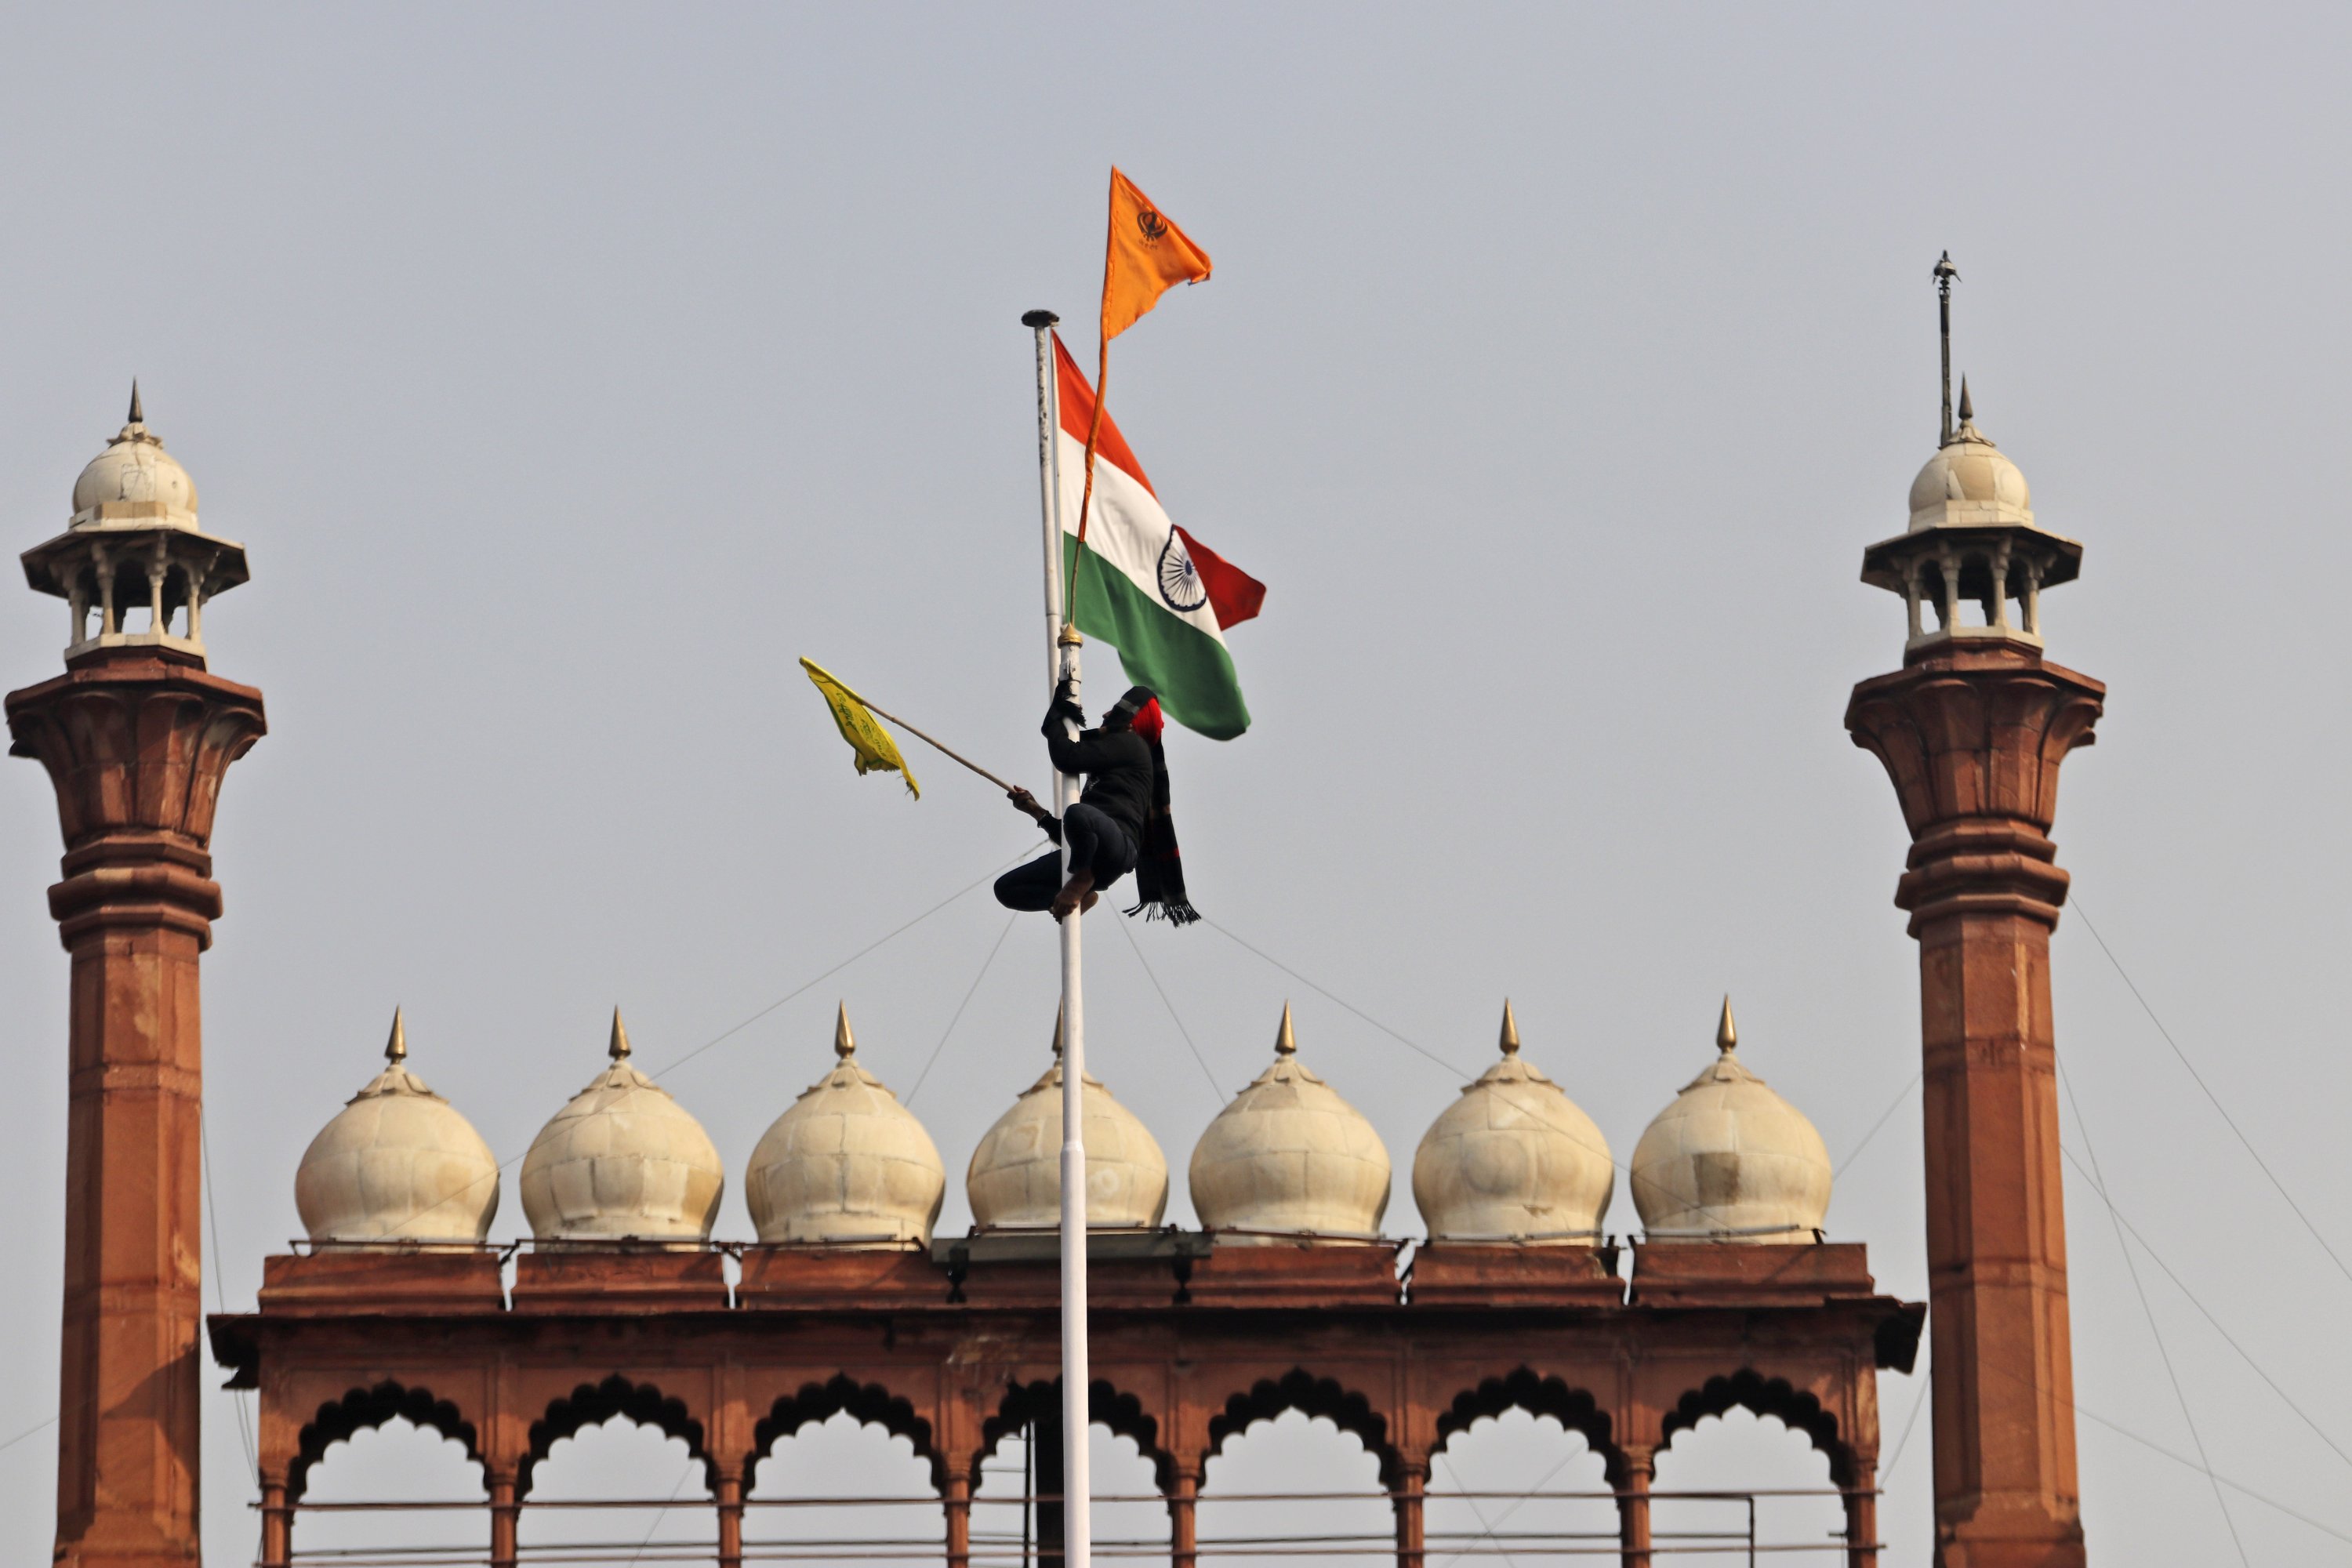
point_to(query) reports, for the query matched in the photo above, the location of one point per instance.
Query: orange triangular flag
(1146, 256)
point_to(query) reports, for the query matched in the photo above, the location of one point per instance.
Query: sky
(570, 372)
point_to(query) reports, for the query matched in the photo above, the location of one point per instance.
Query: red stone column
(1862, 1518)
(277, 1524)
(1184, 1521)
(1412, 1542)
(506, 1521)
(1634, 1509)
(136, 742)
(730, 1500)
(958, 1510)
(1973, 737)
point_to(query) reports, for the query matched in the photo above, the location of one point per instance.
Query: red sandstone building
(1288, 1298)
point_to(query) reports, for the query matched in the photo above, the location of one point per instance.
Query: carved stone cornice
(136, 744)
(1972, 738)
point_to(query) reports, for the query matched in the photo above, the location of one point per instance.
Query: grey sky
(569, 372)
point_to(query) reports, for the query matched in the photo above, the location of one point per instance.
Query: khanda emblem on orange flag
(1147, 256)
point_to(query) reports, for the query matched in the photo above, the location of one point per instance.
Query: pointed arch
(868, 1403)
(1761, 1395)
(1574, 1408)
(1300, 1390)
(1106, 1406)
(362, 1408)
(593, 1404)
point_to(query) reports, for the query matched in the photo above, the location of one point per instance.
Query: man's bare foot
(1078, 891)
(1089, 901)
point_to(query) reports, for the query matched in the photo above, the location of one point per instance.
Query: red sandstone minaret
(136, 735)
(1972, 731)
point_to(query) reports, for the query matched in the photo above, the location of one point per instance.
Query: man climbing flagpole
(1062, 644)
(1144, 256)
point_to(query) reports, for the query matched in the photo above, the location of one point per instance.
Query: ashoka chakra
(1179, 580)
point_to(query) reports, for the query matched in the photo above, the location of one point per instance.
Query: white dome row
(1512, 1161)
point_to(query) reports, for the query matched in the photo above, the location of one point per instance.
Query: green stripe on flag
(1189, 668)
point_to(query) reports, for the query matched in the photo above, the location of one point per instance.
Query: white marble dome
(1969, 481)
(622, 1160)
(846, 1163)
(1289, 1158)
(397, 1164)
(1015, 1181)
(1730, 1160)
(1514, 1158)
(134, 478)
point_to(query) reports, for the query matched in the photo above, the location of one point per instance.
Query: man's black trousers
(1096, 840)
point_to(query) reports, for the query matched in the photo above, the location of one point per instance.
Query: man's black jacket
(1118, 765)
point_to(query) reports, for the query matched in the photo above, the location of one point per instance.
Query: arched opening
(434, 1482)
(1520, 1481)
(1282, 1485)
(1765, 1477)
(1016, 1514)
(842, 1484)
(1130, 1515)
(616, 1464)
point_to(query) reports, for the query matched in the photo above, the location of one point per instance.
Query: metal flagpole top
(1946, 275)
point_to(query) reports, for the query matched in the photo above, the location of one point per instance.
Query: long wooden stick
(943, 751)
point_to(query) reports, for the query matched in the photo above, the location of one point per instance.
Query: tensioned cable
(52, 1419)
(1415, 1045)
(220, 1294)
(1485, 1531)
(1153, 974)
(2333, 1255)
(2149, 1310)
(869, 947)
(1886, 1475)
(891, 935)
(663, 1512)
(1896, 1106)
(2158, 1259)
(985, 966)
(2154, 1447)
(1505, 1517)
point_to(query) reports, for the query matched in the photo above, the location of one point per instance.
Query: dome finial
(396, 1049)
(1726, 1033)
(1057, 1034)
(1967, 409)
(1510, 1030)
(845, 1043)
(1285, 1043)
(138, 416)
(618, 1047)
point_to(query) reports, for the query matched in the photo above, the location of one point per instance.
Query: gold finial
(1057, 1034)
(1510, 1030)
(1726, 1033)
(618, 1049)
(395, 1050)
(1285, 1043)
(845, 1043)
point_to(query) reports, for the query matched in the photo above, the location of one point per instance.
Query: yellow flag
(1147, 256)
(875, 747)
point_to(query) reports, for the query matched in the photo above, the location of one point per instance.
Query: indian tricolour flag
(1147, 587)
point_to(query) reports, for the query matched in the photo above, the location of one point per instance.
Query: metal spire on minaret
(1946, 275)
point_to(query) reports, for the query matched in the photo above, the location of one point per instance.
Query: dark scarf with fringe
(1159, 865)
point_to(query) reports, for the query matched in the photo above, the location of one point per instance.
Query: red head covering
(1149, 722)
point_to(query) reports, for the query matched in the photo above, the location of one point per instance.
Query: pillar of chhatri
(137, 736)
(1972, 729)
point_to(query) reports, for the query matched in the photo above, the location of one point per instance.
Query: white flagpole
(1062, 653)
